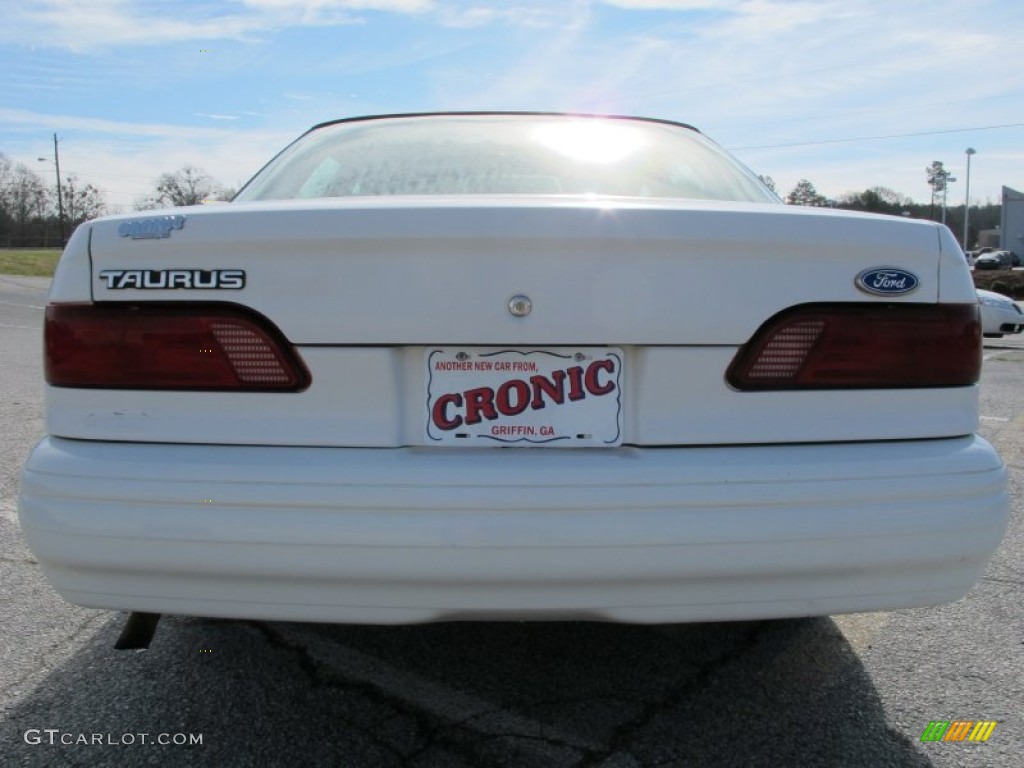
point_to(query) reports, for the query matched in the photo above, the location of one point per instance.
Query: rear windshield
(505, 154)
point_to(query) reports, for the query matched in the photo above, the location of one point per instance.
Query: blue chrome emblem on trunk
(887, 281)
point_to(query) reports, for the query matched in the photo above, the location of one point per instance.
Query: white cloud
(521, 14)
(668, 5)
(305, 6)
(750, 73)
(763, 72)
(87, 25)
(95, 24)
(124, 159)
(35, 121)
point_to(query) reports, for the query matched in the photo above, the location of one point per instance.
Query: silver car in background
(999, 314)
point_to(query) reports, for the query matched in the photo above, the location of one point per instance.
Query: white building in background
(1012, 225)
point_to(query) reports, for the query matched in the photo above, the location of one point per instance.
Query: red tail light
(862, 346)
(168, 346)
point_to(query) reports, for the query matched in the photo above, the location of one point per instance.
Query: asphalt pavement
(841, 691)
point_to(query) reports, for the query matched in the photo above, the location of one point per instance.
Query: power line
(797, 73)
(916, 108)
(878, 138)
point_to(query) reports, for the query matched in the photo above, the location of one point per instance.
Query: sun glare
(591, 142)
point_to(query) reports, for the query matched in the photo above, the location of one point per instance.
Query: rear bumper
(408, 535)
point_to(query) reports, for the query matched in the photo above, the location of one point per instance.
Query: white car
(999, 314)
(511, 366)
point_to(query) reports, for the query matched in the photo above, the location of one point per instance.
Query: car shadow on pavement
(459, 694)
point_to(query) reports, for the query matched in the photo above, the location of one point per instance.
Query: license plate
(553, 397)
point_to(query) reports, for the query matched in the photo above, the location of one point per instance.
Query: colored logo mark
(887, 281)
(958, 730)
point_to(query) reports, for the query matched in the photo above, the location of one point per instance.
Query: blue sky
(134, 89)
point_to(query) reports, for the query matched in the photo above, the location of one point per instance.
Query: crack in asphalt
(481, 738)
(43, 657)
(625, 733)
(433, 731)
(443, 734)
(322, 675)
(997, 579)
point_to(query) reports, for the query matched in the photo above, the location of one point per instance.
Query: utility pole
(60, 198)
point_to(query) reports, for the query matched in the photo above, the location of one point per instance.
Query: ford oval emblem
(887, 281)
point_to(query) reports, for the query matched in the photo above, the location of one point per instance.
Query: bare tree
(189, 186)
(6, 180)
(769, 182)
(28, 209)
(81, 202)
(145, 203)
(27, 200)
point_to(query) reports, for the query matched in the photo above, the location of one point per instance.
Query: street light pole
(967, 197)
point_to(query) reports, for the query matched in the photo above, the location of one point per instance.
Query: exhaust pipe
(138, 631)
